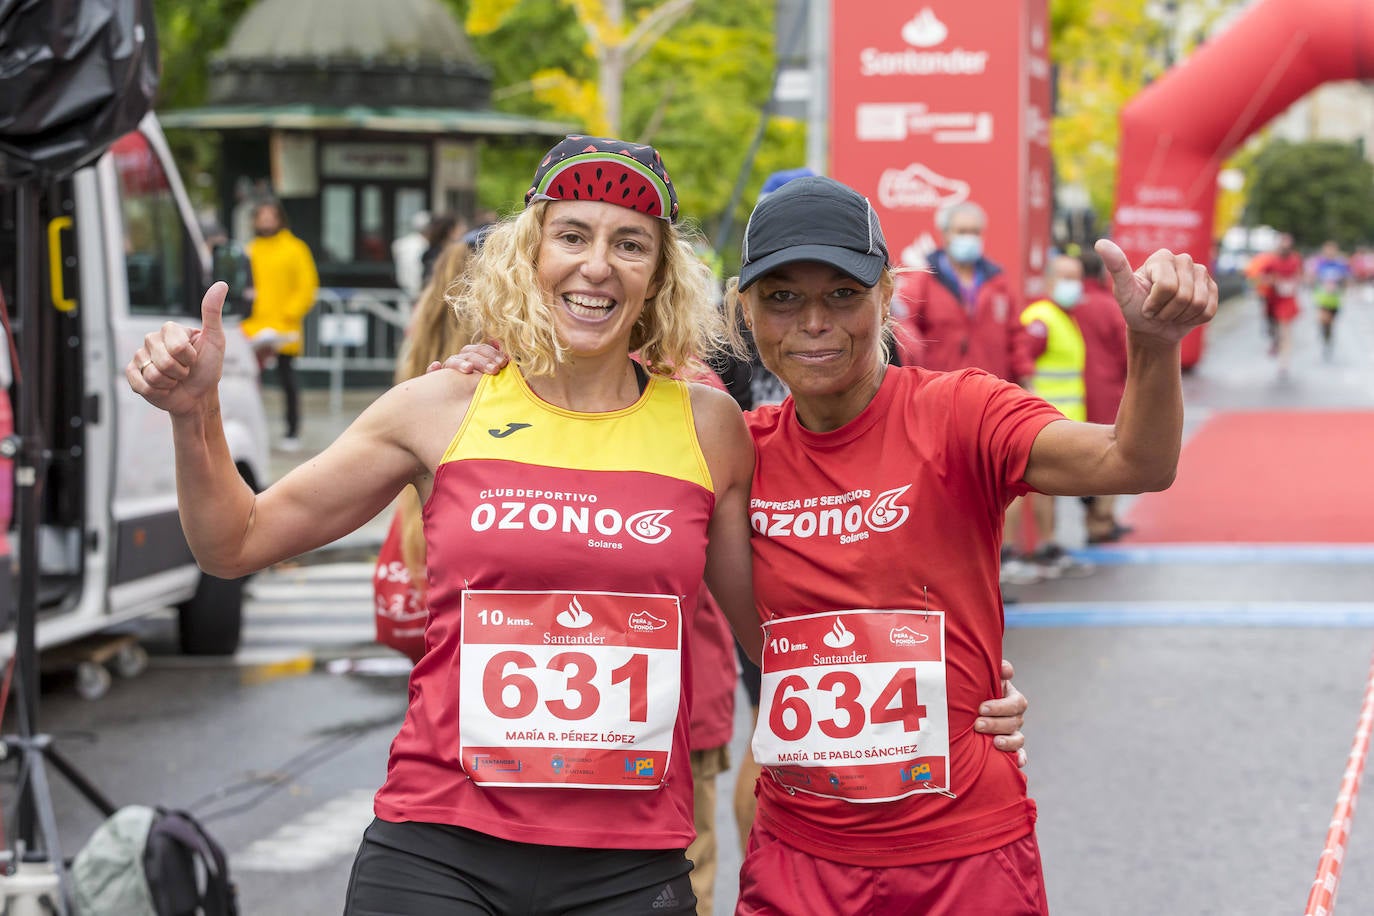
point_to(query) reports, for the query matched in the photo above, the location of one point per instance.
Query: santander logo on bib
(574, 617)
(839, 636)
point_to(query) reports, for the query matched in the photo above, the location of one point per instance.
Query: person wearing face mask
(961, 313)
(1060, 357)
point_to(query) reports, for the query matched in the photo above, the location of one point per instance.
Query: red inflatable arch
(1178, 131)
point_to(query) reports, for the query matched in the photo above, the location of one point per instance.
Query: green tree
(697, 92)
(1106, 52)
(187, 34)
(1316, 191)
(616, 38)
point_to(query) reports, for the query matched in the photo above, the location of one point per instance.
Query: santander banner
(936, 102)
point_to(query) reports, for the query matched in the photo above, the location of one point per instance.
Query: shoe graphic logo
(906, 636)
(574, 617)
(924, 30)
(666, 899)
(839, 636)
(919, 188)
(645, 622)
(510, 428)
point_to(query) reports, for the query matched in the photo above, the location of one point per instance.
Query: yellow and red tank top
(565, 551)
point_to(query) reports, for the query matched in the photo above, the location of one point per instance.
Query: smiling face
(820, 331)
(597, 262)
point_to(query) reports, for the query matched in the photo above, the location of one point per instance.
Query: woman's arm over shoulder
(399, 439)
(729, 455)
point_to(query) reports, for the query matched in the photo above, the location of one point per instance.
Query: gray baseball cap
(814, 219)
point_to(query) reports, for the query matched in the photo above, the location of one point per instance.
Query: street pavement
(1191, 712)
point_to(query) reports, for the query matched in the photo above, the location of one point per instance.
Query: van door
(123, 255)
(160, 275)
(64, 600)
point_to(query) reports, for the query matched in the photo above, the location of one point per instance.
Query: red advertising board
(936, 102)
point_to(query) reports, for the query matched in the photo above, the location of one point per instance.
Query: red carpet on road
(1268, 477)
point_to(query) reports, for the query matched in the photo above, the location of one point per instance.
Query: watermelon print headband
(611, 171)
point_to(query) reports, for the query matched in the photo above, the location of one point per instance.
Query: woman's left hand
(485, 358)
(1004, 716)
(1166, 297)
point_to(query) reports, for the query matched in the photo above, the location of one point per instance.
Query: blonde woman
(572, 504)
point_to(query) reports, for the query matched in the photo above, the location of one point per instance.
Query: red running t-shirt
(901, 506)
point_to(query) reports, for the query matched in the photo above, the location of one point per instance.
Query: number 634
(791, 718)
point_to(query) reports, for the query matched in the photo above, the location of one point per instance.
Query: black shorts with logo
(413, 869)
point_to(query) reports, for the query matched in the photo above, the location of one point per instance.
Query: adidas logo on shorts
(666, 899)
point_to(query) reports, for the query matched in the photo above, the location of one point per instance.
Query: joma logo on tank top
(851, 516)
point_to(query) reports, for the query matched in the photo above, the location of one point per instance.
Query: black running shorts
(412, 869)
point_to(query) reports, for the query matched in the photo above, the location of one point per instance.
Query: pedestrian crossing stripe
(1227, 554)
(1314, 614)
(315, 840)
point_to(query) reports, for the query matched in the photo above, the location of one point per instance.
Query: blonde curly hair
(501, 298)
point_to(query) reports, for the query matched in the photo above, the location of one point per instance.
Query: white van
(123, 253)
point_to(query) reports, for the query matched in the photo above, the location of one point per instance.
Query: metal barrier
(353, 329)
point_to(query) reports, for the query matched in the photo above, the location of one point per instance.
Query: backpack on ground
(152, 862)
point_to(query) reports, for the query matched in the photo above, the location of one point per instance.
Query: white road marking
(314, 840)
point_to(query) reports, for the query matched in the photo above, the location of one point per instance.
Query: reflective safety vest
(1059, 370)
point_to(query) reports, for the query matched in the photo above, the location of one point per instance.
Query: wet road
(1191, 712)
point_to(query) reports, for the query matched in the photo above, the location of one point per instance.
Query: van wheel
(211, 621)
(92, 680)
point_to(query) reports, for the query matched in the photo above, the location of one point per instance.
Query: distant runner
(1331, 276)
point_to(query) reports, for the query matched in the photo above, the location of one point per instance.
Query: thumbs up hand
(178, 368)
(1166, 297)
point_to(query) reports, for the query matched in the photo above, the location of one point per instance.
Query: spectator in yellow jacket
(285, 282)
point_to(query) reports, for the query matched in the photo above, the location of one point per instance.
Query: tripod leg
(47, 823)
(79, 781)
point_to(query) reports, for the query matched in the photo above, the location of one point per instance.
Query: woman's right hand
(474, 358)
(178, 368)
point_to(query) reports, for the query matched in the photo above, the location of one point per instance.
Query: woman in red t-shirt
(876, 510)
(876, 513)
